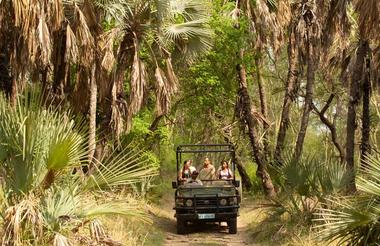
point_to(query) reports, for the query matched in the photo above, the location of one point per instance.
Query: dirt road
(205, 234)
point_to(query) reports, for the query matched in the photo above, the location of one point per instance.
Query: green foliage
(306, 183)
(354, 219)
(209, 86)
(41, 197)
(36, 142)
(141, 129)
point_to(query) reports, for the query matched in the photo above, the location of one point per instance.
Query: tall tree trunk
(310, 78)
(245, 179)
(92, 115)
(366, 123)
(290, 91)
(354, 98)
(264, 107)
(5, 76)
(60, 65)
(250, 121)
(14, 91)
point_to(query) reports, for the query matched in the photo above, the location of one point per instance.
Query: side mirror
(174, 184)
(236, 183)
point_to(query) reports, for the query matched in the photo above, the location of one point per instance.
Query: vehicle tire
(232, 226)
(181, 226)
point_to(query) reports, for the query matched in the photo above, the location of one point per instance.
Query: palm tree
(163, 29)
(311, 23)
(245, 109)
(368, 16)
(87, 68)
(292, 84)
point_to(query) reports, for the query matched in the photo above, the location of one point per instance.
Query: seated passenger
(186, 170)
(208, 170)
(194, 179)
(225, 172)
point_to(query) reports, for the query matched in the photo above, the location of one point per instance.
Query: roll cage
(206, 148)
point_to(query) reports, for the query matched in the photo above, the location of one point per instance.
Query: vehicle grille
(206, 202)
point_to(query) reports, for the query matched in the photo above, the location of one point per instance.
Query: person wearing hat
(193, 180)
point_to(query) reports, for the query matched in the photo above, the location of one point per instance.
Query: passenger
(186, 170)
(208, 170)
(225, 172)
(194, 179)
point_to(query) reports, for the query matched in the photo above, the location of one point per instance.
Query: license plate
(206, 216)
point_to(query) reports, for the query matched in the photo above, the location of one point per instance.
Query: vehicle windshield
(206, 191)
(213, 183)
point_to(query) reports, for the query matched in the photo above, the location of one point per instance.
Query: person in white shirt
(225, 172)
(186, 170)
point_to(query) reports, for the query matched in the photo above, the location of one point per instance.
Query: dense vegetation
(96, 95)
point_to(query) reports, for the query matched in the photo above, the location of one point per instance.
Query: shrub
(354, 219)
(42, 200)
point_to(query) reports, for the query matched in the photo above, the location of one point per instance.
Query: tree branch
(330, 125)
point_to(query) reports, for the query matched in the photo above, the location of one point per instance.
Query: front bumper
(222, 216)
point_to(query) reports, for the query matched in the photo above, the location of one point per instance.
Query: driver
(208, 170)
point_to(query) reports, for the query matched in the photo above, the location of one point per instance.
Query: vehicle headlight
(223, 202)
(179, 202)
(233, 200)
(189, 202)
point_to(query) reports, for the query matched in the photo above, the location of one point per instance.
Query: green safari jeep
(214, 200)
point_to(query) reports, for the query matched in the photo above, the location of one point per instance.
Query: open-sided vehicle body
(215, 200)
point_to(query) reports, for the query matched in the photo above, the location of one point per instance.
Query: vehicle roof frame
(205, 148)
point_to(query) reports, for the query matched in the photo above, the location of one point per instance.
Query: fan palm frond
(114, 208)
(349, 221)
(122, 167)
(58, 206)
(37, 142)
(369, 179)
(355, 219)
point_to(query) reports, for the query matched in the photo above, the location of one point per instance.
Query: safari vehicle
(213, 201)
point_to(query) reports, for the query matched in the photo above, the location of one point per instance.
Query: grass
(132, 232)
(268, 228)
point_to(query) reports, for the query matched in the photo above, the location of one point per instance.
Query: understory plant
(304, 184)
(355, 219)
(45, 197)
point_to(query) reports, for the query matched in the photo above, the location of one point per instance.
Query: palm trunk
(14, 92)
(264, 107)
(291, 88)
(5, 77)
(311, 65)
(60, 64)
(366, 122)
(353, 102)
(250, 122)
(92, 110)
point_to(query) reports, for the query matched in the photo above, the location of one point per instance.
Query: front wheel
(232, 226)
(181, 226)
